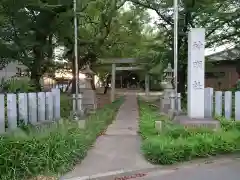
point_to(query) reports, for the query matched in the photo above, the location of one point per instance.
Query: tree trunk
(35, 78)
(182, 80)
(106, 84)
(69, 83)
(93, 84)
(105, 89)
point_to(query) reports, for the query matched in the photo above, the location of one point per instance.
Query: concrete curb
(160, 170)
(114, 174)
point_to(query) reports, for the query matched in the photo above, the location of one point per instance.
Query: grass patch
(228, 125)
(176, 143)
(54, 151)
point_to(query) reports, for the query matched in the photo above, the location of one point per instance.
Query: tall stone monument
(196, 73)
(196, 77)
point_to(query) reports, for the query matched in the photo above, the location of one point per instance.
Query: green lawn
(176, 143)
(26, 154)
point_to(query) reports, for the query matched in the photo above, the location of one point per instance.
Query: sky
(208, 51)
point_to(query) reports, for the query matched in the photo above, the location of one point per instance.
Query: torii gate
(114, 63)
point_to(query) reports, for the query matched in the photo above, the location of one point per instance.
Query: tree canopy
(31, 30)
(220, 18)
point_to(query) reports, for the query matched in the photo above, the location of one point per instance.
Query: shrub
(176, 143)
(16, 85)
(148, 116)
(166, 150)
(228, 125)
(147, 120)
(66, 102)
(53, 151)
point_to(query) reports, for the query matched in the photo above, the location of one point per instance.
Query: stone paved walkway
(119, 148)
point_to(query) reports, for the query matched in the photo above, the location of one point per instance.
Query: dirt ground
(103, 99)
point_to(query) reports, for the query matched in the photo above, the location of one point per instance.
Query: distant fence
(221, 103)
(32, 108)
(216, 103)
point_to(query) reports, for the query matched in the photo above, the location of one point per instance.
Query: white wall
(10, 70)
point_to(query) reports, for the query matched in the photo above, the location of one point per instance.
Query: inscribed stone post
(228, 104)
(237, 106)
(23, 107)
(2, 114)
(12, 111)
(218, 103)
(49, 106)
(32, 107)
(208, 102)
(41, 106)
(196, 72)
(56, 103)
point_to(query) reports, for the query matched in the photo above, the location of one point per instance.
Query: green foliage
(166, 150)
(220, 19)
(66, 105)
(238, 85)
(17, 85)
(54, 151)
(228, 125)
(127, 37)
(176, 143)
(32, 29)
(147, 119)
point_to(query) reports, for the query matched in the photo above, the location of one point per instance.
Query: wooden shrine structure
(124, 64)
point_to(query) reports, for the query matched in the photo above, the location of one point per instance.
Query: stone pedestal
(197, 116)
(89, 97)
(186, 121)
(165, 100)
(158, 125)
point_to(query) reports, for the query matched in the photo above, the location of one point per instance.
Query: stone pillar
(196, 73)
(168, 89)
(89, 100)
(166, 99)
(179, 105)
(113, 82)
(208, 102)
(147, 84)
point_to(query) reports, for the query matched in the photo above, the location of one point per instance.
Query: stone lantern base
(89, 100)
(165, 100)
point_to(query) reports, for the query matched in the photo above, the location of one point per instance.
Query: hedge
(228, 124)
(53, 151)
(176, 143)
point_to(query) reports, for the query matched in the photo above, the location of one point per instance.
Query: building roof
(230, 54)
